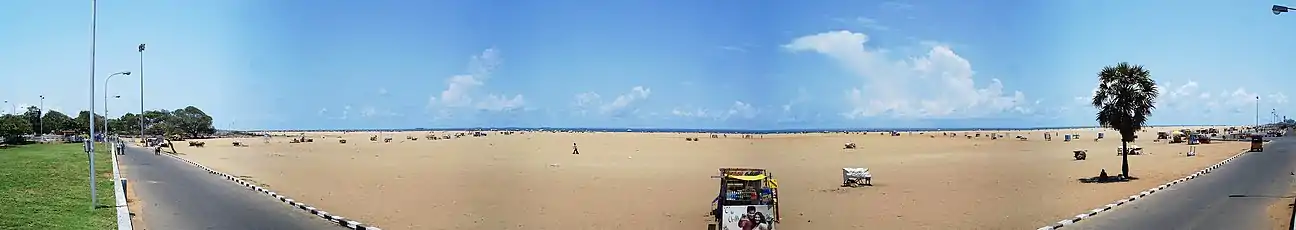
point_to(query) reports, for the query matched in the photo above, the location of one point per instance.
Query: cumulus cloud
(938, 84)
(372, 112)
(621, 105)
(738, 109)
(1189, 97)
(460, 89)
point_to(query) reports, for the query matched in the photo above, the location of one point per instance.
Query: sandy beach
(660, 181)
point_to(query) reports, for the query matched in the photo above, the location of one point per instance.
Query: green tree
(83, 122)
(12, 127)
(192, 122)
(127, 124)
(33, 117)
(56, 121)
(1126, 95)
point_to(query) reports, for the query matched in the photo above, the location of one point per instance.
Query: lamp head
(1279, 9)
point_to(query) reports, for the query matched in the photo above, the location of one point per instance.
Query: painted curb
(119, 195)
(341, 221)
(1091, 213)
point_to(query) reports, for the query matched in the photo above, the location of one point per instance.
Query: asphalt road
(1205, 202)
(177, 195)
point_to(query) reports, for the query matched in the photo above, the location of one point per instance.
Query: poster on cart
(748, 217)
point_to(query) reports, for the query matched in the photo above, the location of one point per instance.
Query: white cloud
(698, 112)
(621, 105)
(501, 103)
(738, 109)
(1277, 98)
(937, 84)
(342, 115)
(742, 109)
(1190, 99)
(382, 91)
(460, 89)
(734, 48)
(869, 23)
(802, 96)
(636, 94)
(897, 5)
(370, 111)
(586, 101)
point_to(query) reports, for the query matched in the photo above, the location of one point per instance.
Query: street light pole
(1257, 114)
(40, 117)
(94, 24)
(141, 77)
(105, 100)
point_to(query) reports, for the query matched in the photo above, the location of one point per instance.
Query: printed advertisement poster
(752, 217)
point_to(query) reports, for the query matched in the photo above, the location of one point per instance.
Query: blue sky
(666, 64)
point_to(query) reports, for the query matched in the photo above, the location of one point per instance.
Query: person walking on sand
(574, 150)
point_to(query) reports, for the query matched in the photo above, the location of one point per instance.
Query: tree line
(187, 122)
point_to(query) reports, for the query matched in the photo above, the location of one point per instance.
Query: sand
(660, 181)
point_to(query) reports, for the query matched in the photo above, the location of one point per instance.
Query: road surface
(1234, 196)
(177, 195)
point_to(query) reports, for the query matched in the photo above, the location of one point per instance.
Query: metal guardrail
(119, 193)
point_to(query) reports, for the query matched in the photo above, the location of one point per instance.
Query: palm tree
(1126, 95)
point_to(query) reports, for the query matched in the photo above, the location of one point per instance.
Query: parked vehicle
(747, 197)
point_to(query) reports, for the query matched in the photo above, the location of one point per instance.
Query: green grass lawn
(45, 186)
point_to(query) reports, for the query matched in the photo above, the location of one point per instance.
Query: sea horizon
(694, 130)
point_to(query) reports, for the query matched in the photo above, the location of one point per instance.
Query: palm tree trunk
(1125, 158)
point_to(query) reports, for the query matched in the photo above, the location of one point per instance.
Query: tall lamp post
(90, 147)
(40, 117)
(1257, 114)
(105, 125)
(141, 78)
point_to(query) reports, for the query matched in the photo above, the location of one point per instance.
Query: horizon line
(643, 129)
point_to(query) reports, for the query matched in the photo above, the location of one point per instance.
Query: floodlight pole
(93, 30)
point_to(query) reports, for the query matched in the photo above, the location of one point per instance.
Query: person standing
(574, 150)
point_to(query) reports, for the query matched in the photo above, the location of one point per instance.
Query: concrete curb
(1091, 213)
(342, 221)
(119, 195)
